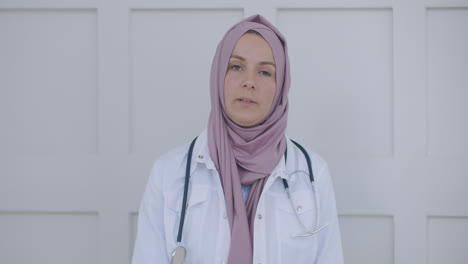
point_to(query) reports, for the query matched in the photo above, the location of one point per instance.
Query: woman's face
(250, 82)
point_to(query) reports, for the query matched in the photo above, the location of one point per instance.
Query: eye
(235, 67)
(265, 73)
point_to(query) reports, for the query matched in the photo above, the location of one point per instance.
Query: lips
(246, 100)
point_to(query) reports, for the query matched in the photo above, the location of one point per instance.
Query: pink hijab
(245, 156)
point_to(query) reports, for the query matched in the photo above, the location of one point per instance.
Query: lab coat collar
(201, 155)
(201, 152)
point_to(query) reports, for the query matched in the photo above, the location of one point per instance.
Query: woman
(251, 197)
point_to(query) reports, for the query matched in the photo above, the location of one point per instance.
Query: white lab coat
(206, 233)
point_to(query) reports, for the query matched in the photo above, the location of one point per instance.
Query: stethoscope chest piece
(178, 255)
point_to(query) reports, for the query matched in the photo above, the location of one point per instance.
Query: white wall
(91, 92)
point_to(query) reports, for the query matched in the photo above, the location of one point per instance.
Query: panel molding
(367, 228)
(449, 242)
(440, 115)
(49, 237)
(345, 96)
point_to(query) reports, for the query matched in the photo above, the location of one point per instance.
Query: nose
(249, 83)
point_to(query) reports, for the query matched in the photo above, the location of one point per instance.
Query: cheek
(269, 94)
(229, 84)
(226, 92)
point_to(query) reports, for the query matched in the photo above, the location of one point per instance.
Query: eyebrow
(261, 63)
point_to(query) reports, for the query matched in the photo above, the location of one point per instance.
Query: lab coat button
(224, 216)
(200, 156)
(259, 216)
(299, 208)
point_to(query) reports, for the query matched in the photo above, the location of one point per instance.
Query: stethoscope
(179, 253)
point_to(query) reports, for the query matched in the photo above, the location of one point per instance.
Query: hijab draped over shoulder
(246, 155)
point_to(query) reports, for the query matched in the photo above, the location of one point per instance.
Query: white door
(91, 92)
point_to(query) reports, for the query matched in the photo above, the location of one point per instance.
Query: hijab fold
(246, 155)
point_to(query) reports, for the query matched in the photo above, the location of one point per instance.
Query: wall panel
(447, 68)
(447, 239)
(54, 238)
(367, 239)
(49, 81)
(341, 92)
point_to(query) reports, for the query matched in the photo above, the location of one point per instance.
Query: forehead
(253, 46)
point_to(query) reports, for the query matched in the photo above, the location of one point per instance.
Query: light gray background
(91, 92)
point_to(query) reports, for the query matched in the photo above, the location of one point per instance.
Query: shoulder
(317, 159)
(174, 156)
(169, 166)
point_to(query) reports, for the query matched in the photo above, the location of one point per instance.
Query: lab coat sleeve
(329, 247)
(150, 245)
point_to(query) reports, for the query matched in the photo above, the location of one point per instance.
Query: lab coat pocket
(194, 215)
(294, 221)
(196, 195)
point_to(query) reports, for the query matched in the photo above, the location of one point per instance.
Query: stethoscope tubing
(186, 184)
(285, 184)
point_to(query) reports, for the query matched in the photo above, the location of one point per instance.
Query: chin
(245, 123)
(244, 120)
